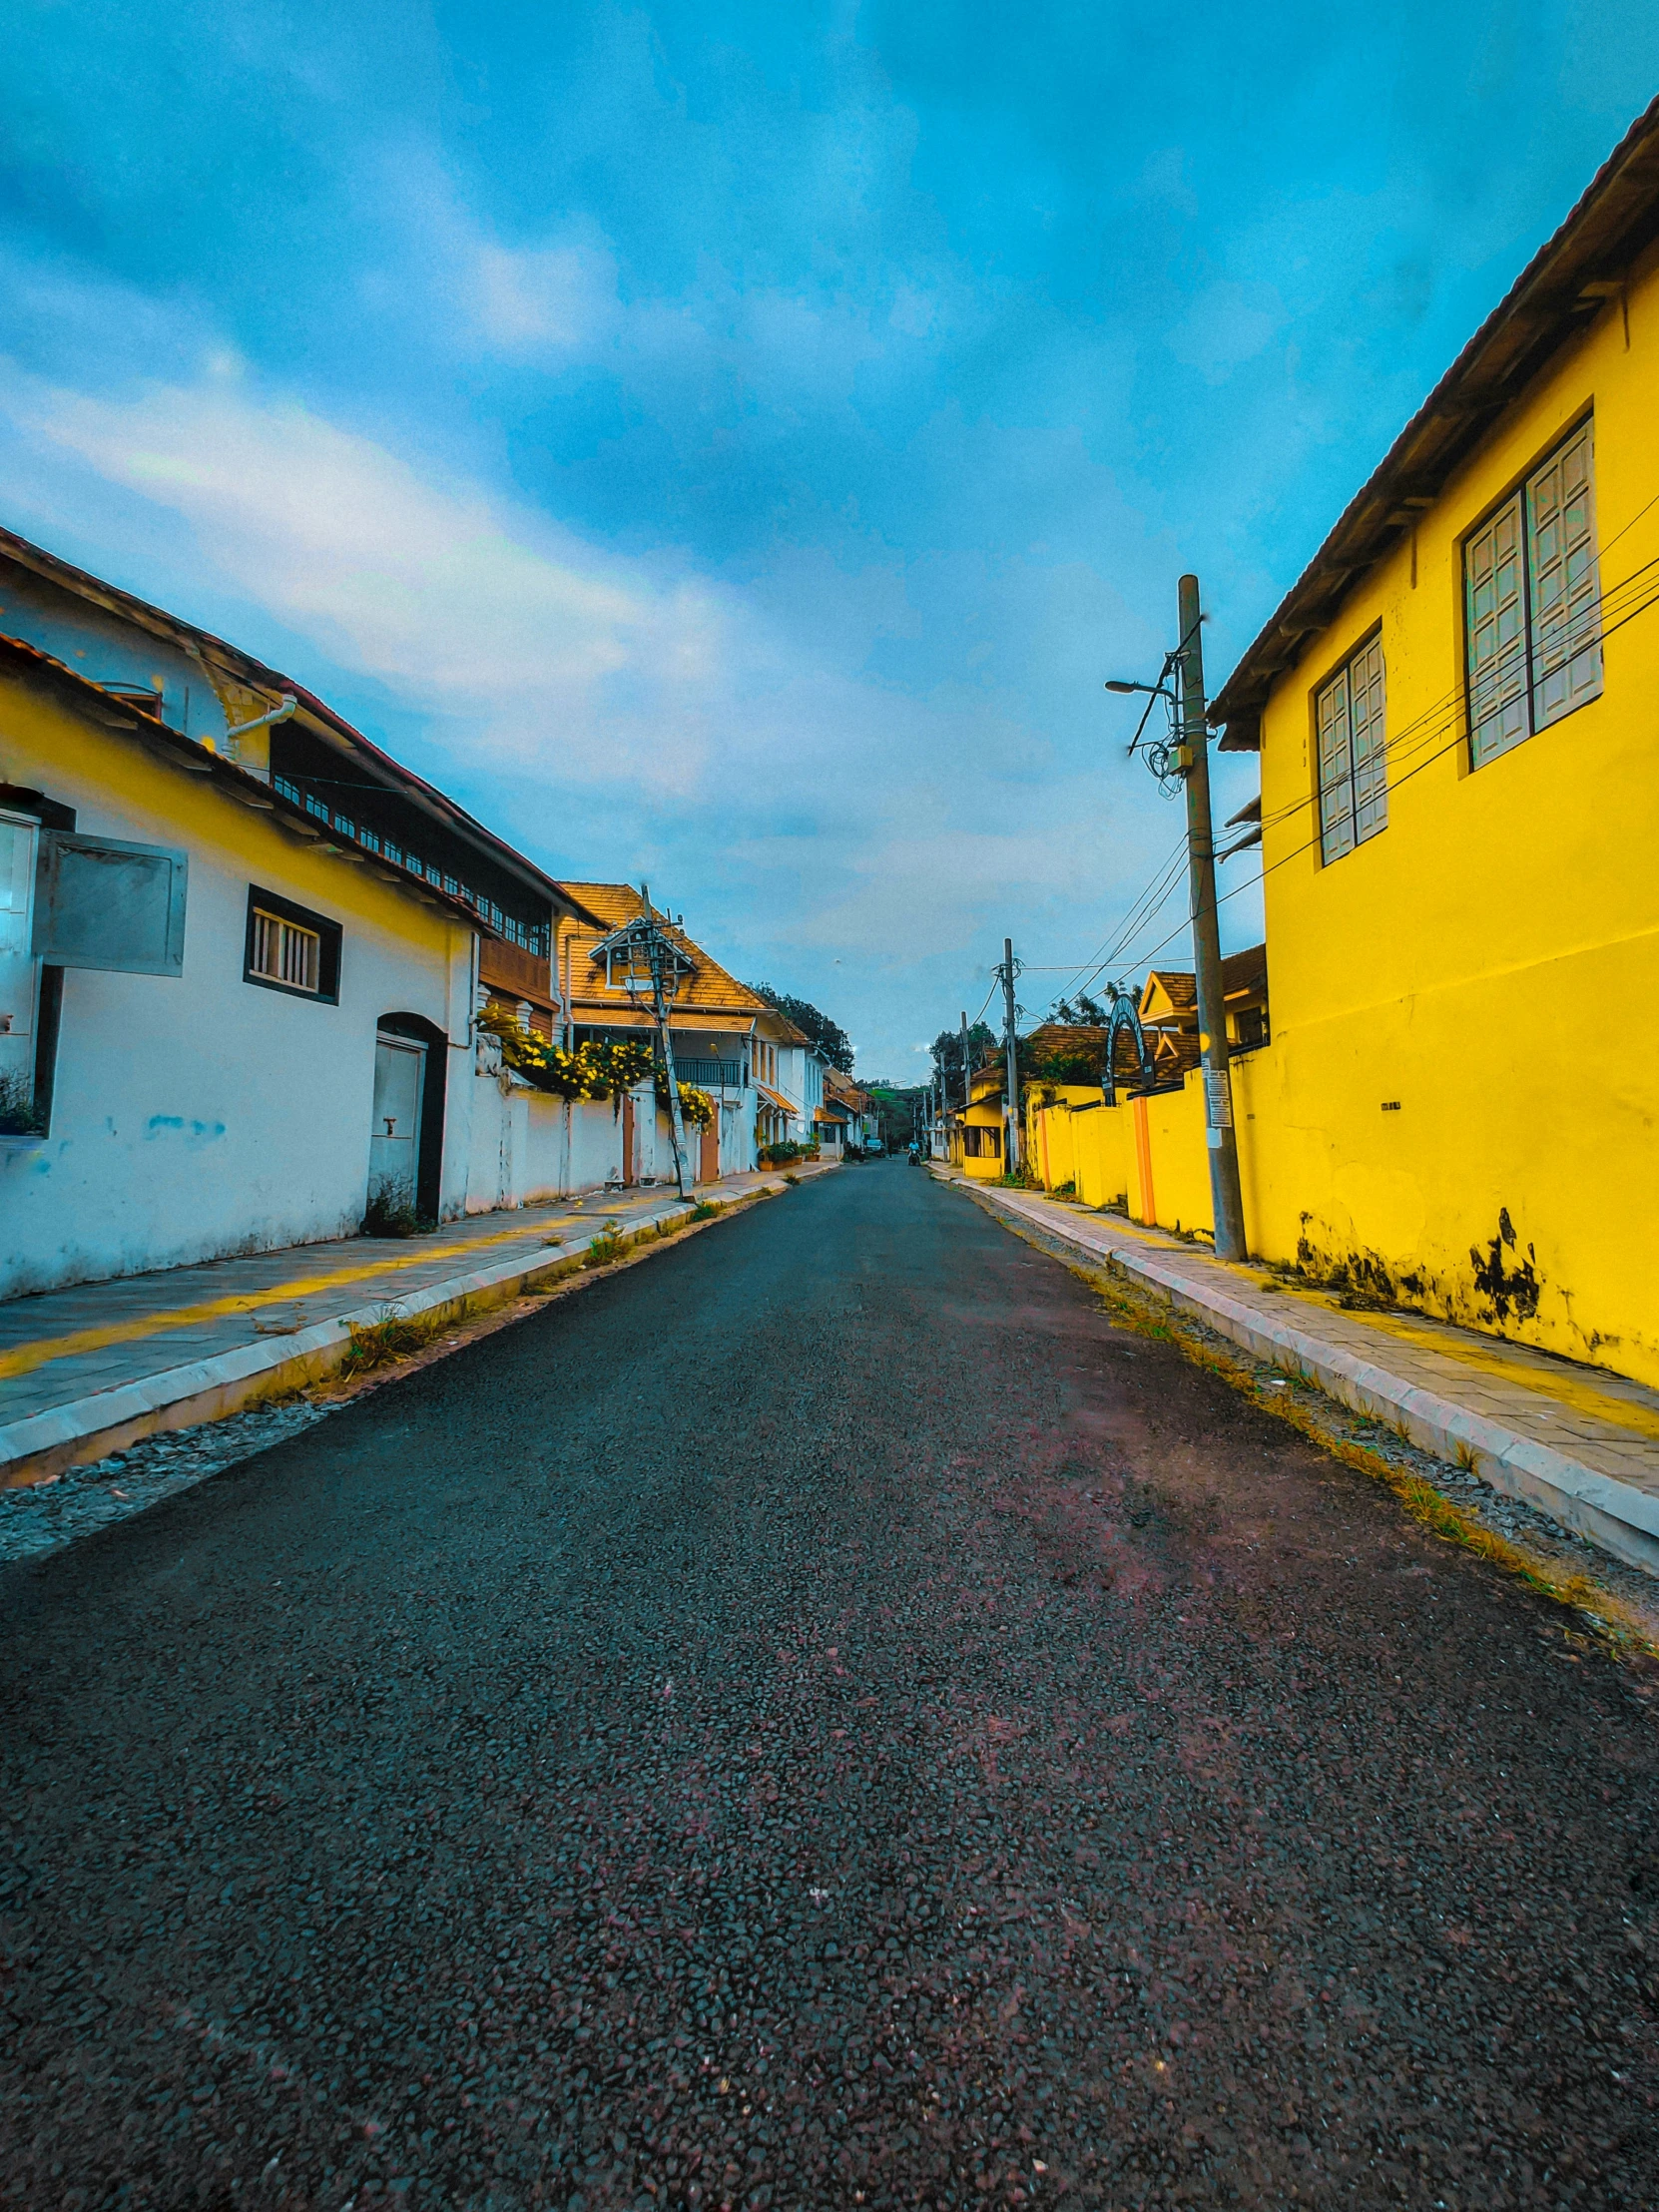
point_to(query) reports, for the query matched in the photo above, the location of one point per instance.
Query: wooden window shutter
(1494, 585)
(1335, 742)
(1561, 572)
(101, 902)
(1365, 737)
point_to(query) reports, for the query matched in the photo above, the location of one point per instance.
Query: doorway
(709, 1168)
(628, 1176)
(394, 1131)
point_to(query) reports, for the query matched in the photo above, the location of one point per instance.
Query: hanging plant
(593, 1071)
(696, 1106)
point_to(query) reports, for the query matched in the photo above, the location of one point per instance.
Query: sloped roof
(709, 987)
(1243, 975)
(1565, 285)
(1178, 985)
(315, 713)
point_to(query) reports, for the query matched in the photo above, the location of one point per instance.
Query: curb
(91, 1427)
(1616, 1515)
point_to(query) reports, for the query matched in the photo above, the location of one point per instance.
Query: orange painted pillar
(1146, 1209)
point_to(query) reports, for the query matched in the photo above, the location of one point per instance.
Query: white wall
(526, 1147)
(201, 1116)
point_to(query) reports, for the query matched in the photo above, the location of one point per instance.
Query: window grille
(1534, 604)
(1353, 754)
(285, 953)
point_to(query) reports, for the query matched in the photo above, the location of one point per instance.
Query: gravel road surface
(820, 1719)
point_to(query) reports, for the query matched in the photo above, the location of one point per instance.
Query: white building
(727, 1041)
(242, 952)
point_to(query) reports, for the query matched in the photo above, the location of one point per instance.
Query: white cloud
(550, 651)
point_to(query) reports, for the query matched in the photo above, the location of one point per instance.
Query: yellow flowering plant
(594, 1070)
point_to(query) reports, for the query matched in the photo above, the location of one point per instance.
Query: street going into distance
(824, 1718)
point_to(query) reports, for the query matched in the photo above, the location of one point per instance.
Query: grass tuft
(607, 1247)
(393, 1336)
(706, 1209)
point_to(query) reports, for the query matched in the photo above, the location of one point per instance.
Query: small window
(285, 952)
(291, 949)
(1534, 603)
(1353, 758)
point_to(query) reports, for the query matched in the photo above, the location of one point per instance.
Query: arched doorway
(405, 1142)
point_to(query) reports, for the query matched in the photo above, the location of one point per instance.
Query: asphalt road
(819, 1719)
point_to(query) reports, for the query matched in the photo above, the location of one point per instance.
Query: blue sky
(729, 445)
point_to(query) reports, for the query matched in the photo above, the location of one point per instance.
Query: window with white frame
(1353, 756)
(1532, 596)
(288, 948)
(285, 952)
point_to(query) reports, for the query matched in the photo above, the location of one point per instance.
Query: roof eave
(1555, 298)
(116, 715)
(262, 677)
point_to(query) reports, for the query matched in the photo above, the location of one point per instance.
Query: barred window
(1533, 598)
(284, 954)
(291, 950)
(1352, 757)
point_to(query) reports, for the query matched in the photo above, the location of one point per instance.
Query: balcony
(709, 1075)
(512, 971)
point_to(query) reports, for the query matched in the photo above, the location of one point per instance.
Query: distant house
(1169, 1010)
(846, 1118)
(241, 949)
(976, 1134)
(761, 1076)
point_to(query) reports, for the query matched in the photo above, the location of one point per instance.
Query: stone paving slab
(87, 1371)
(1580, 1444)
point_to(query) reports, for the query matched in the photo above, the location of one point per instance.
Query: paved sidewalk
(1580, 1444)
(88, 1371)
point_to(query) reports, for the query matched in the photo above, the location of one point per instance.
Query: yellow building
(1454, 710)
(976, 1136)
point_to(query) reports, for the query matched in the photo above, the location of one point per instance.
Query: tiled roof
(1179, 987)
(1245, 974)
(709, 987)
(1574, 277)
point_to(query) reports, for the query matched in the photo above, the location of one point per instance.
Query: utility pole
(659, 954)
(1226, 1195)
(1010, 1105)
(967, 1082)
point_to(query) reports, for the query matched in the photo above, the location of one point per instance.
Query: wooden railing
(513, 973)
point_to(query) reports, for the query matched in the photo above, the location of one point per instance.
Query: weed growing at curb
(607, 1247)
(394, 1335)
(706, 1209)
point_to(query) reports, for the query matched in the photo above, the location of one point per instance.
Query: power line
(1250, 883)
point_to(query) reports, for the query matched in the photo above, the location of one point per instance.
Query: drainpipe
(263, 721)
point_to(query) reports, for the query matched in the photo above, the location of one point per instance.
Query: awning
(826, 1112)
(772, 1098)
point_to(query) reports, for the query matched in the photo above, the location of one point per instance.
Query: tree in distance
(830, 1037)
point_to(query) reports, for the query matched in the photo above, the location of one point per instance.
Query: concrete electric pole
(1011, 1145)
(1226, 1195)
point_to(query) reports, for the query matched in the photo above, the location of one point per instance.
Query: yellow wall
(1081, 1142)
(984, 1112)
(1179, 1159)
(1464, 1083)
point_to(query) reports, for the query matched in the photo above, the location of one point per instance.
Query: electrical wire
(1607, 629)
